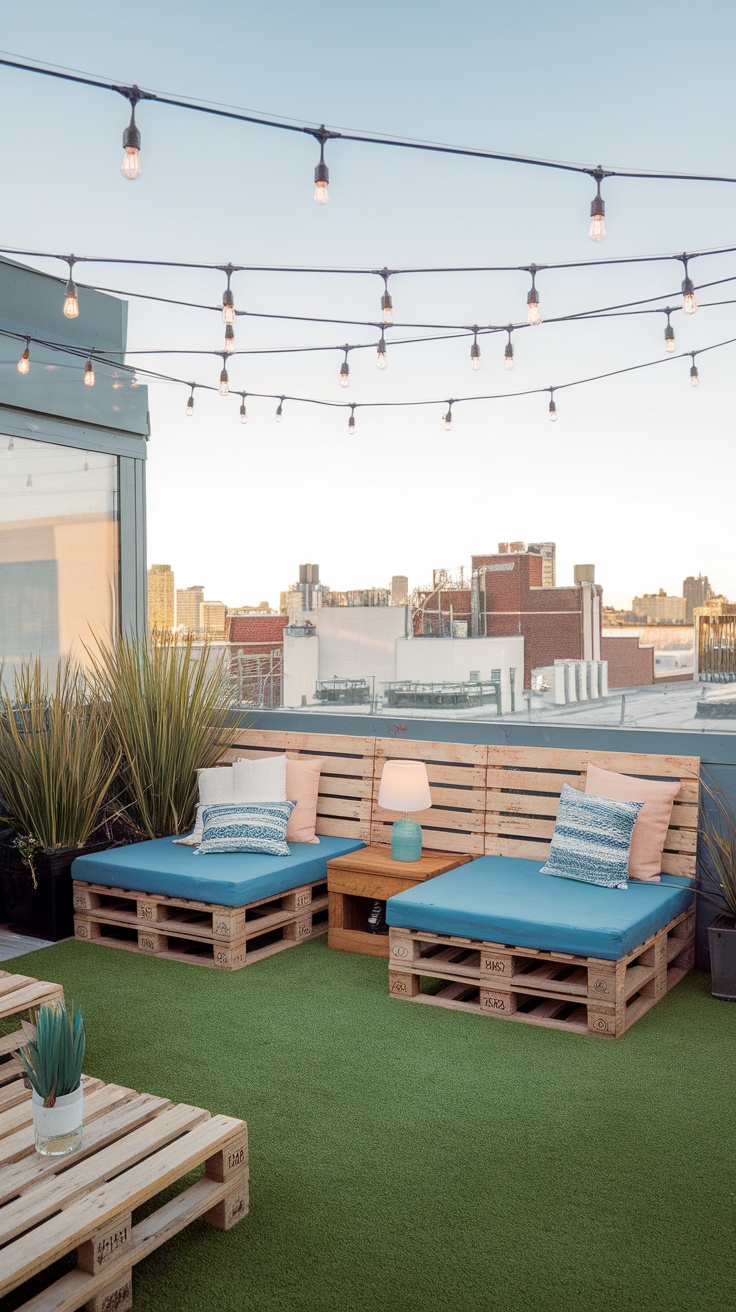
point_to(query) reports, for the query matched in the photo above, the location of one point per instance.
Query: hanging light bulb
(71, 302)
(131, 165)
(670, 345)
(228, 304)
(243, 413)
(532, 315)
(475, 352)
(229, 339)
(134, 381)
(224, 380)
(29, 481)
(508, 352)
(694, 377)
(321, 173)
(597, 230)
(387, 305)
(552, 406)
(190, 403)
(24, 364)
(279, 410)
(89, 373)
(448, 416)
(351, 422)
(689, 304)
(85, 469)
(381, 357)
(345, 370)
(11, 447)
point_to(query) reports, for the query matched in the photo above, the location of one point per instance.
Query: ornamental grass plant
(57, 764)
(167, 703)
(718, 848)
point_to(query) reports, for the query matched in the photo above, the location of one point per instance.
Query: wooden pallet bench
(21, 995)
(227, 938)
(134, 1146)
(586, 995)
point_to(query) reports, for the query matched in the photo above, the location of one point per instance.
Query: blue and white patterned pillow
(592, 838)
(235, 827)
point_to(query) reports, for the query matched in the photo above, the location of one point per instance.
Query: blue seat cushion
(228, 879)
(500, 899)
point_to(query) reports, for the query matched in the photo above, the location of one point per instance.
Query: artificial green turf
(410, 1158)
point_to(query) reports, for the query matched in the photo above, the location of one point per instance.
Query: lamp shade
(404, 786)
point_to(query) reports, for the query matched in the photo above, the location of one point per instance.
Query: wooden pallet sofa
(233, 909)
(498, 805)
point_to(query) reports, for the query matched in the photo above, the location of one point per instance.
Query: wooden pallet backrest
(485, 799)
(346, 778)
(457, 783)
(524, 786)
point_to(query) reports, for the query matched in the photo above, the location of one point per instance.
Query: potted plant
(53, 1060)
(718, 884)
(57, 769)
(168, 700)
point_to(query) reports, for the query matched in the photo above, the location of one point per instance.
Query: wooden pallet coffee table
(20, 995)
(134, 1146)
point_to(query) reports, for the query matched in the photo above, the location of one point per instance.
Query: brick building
(256, 647)
(556, 623)
(629, 664)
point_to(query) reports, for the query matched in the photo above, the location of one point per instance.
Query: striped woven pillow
(260, 827)
(592, 838)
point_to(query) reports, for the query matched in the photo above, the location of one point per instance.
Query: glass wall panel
(59, 550)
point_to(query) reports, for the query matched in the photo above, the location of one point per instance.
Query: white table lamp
(405, 787)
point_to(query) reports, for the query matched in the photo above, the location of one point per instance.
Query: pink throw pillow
(650, 830)
(302, 787)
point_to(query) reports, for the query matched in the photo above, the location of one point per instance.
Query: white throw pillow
(259, 781)
(215, 789)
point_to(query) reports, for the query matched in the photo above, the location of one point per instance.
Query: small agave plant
(54, 1055)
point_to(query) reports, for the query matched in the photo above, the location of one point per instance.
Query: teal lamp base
(406, 840)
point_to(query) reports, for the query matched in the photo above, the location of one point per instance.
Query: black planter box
(46, 911)
(722, 942)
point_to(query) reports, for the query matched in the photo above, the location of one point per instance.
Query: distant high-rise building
(161, 609)
(696, 592)
(659, 608)
(214, 618)
(548, 552)
(510, 548)
(189, 603)
(306, 595)
(399, 590)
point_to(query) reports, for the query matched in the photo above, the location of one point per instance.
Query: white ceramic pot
(58, 1129)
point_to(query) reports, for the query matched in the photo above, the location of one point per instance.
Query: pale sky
(637, 474)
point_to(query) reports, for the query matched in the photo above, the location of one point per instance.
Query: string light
(71, 301)
(508, 352)
(243, 414)
(475, 350)
(89, 373)
(228, 304)
(694, 376)
(24, 364)
(387, 305)
(345, 369)
(552, 406)
(224, 386)
(279, 410)
(689, 304)
(351, 422)
(447, 416)
(597, 230)
(190, 402)
(532, 315)
(670, 344)
(321, 173)
(29, 481)
(131, 165)
(381, 357)
(229, 339)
